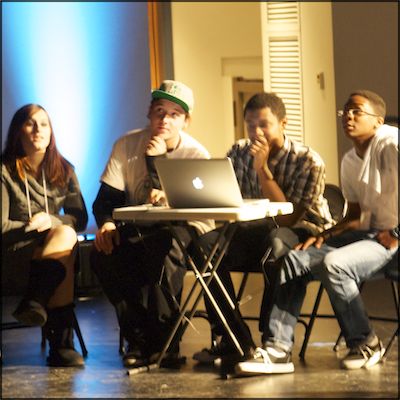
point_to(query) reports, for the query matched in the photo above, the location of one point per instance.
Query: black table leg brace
(209, 271)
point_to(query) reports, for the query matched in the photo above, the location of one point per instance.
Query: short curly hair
(263, 100)
(376, 101)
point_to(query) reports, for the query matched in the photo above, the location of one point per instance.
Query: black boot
(60, 332)
(131, 319)
(44, 277)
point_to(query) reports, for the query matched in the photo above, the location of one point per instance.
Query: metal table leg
(209, 271)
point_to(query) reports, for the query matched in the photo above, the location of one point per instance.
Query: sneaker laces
(365, 350)
(261, 353)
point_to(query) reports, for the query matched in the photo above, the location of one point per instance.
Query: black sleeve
(151, 168)
(106, 200)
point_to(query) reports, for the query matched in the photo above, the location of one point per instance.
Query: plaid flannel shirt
(298, 170)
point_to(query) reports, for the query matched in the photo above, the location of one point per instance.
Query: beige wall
(213, 41)
(319, 102)
(366, 50)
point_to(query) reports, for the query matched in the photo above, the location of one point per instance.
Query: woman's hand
(40, 222)
(106, 238)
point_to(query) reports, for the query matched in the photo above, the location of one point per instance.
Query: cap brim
(159, 94)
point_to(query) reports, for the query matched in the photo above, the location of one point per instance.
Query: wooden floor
(24, 373)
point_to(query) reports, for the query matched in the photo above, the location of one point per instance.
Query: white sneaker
(364, 356)
(270, 360)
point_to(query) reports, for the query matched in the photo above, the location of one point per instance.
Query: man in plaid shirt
(270, 165)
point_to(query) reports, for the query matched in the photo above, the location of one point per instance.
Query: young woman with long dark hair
(42, 209)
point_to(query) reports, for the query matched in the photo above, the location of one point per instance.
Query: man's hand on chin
(156, 146)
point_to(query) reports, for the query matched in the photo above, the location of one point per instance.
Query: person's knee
(281, 241)
(331, 265)
(62, 236)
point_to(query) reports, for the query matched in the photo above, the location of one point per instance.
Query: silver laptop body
(195, 183)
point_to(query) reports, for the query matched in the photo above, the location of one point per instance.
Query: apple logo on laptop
(197, 183)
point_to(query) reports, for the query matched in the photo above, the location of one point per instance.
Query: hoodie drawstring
(46, 204)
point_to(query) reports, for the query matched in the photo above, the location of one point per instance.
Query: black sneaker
(364, 356)
(171, 360)
(213, 355)
(65, 357)
(133, 357)
(268, 360)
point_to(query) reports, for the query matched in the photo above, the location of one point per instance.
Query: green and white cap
(177, 92)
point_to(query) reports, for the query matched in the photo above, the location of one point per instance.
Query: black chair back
(336, 201)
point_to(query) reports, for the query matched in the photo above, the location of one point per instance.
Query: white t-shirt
(372, 182)
(126, 168)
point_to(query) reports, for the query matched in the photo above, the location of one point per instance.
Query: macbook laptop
(198, 183)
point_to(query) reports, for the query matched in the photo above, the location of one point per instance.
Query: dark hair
(270, 100)
(57, 168)
(376, 101)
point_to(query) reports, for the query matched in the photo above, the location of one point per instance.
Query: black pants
(249, 244)
(143, 279)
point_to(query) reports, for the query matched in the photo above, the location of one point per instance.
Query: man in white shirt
(140, 266)
(356, 248)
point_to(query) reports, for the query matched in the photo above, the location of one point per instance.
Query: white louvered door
(282, 60)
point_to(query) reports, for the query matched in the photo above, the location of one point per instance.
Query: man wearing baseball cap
(131, 260)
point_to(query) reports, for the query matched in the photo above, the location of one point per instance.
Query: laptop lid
(194, 183)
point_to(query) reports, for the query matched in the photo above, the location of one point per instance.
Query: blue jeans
(341, 264)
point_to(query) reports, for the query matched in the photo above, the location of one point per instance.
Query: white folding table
(204, 273)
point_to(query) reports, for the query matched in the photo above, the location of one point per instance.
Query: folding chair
(390, 272)
(18, 325)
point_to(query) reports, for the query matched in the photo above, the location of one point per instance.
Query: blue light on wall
(87, 63)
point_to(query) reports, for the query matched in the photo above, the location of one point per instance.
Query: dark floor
(24, 373)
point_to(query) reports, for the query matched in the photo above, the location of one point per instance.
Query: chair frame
(18, 325)
(78, 332)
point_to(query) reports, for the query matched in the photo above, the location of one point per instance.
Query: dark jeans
(143, 279)
(249, 244)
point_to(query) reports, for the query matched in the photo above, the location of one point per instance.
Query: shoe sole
(60, 364)
(134, 364)
(262, 368)
(30, 318)
(375, 359)
(133, 361)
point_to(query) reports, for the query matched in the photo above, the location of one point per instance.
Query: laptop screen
(194, 183)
